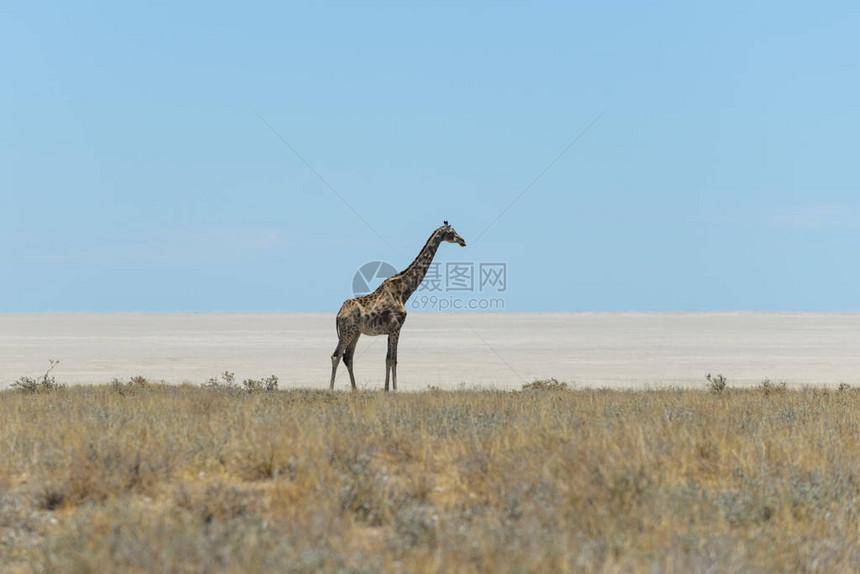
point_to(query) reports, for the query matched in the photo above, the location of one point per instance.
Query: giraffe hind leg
(339, 351)
(335, 361)
(347, 330)
(348, 355)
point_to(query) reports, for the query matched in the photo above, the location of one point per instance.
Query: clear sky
(136, 173)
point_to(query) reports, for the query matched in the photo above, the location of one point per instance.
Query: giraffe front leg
(391, 360)
(386, 375)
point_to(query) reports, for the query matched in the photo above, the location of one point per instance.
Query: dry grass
(146, 478)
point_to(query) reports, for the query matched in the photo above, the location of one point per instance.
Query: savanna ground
(141, 477)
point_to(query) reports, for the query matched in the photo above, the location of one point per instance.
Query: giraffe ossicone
(384, 311)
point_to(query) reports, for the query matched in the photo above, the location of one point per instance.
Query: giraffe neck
(410, 278)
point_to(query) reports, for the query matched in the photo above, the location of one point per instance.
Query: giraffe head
(451, 236)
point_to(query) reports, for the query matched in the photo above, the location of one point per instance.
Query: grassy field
(138, 477)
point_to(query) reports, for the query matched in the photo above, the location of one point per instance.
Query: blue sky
(136, 175)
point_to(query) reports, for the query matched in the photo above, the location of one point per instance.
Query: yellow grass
(187, 479)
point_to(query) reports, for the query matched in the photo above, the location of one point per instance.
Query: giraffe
(384, 311)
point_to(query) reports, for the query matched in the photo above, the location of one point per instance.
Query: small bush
(770, 387)
(716, 383)
(226, 381)
(545, 385)
(138, 382)
(134, 384)
(44, 384)
(267, 384)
